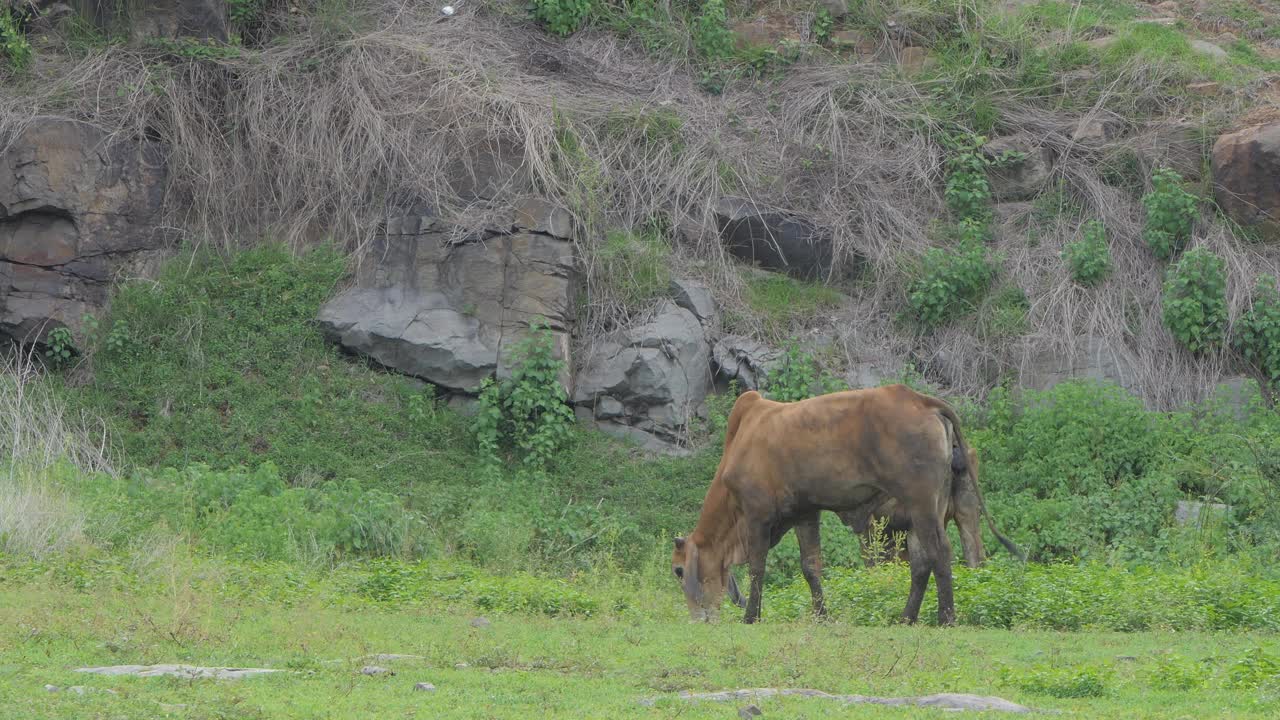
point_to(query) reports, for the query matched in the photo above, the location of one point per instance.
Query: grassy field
(522, 665)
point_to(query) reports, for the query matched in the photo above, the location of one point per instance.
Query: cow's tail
(960, 464)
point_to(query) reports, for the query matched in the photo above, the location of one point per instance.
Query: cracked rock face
(449, 310)
(74, 208)
(647, 381)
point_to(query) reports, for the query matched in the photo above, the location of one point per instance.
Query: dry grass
(37, 439)
(352, 116)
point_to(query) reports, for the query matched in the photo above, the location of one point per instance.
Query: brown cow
(784, 463)
(966, 509)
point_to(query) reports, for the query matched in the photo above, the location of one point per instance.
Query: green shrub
(798, 377)
(1258, 331)
(1194, 301)
(1258, 668)
(1089, 258)
(60, 347)
(1171, 214)
(1089, 596)
(1080, 681)
(529, 408)
(561, 17)
(951, 279)
(968, 194)
(1173, 672)
(711, 36)
(1072, 471)
(13, 44)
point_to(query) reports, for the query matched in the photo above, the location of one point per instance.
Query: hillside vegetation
(199, 476)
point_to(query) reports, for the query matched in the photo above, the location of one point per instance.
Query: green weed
(1194, 300)
(1089, 258)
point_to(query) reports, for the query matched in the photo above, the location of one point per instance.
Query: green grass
(779, 302)
(525, 664)
(220, 363)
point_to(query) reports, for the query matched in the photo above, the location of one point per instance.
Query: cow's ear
(679, 543)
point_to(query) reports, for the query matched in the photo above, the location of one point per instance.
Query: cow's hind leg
(932, 544)
(810, 539)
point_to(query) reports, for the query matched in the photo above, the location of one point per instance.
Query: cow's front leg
(757, 551)
(809, 536)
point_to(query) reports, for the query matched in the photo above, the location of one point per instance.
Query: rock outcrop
(648, 381)
(75, 206)
(1093, 358)
(451, 309)
(1022, 178)
(775, 240)
(1246, 176)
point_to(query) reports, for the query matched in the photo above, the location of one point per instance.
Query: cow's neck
(720, 529)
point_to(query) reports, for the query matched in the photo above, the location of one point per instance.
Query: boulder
(775, 240)
(450, 310)
(1021, 179)
(1092, 357)
(1097, 130)
(647, 381)
(1208, 48)
(695, 297)
(1246, 176)
(75, 206)
(1191, 511)
(738, 357)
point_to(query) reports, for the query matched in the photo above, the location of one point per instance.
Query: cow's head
(704, 580)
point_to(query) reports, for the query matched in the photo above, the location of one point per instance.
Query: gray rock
(538, 215)
(1193, 512)
(1093, 357)
(1097, 130)
(75, 206)
(837, 8)
(749, 712)
(389, 657)
(775, 240)
(1021, 179)
(696, 298)
(424, 687)
(376, 670)
(52, 688)
(1208, 48)
(182, 671)
(748, 361)
(946, 701)
(480, 622)
(449, 310)
(658, 372)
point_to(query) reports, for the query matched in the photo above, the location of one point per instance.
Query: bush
(968, 194)
(1258, 331)
(634, 267)
(13, 44)
(561, 17)
(1089, 259)
(711, 36)
(1073, 470)
(1171, 214)
(529, 408)
(1081, 681)
(798, 377)
(1195, 303)
(949, 279)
